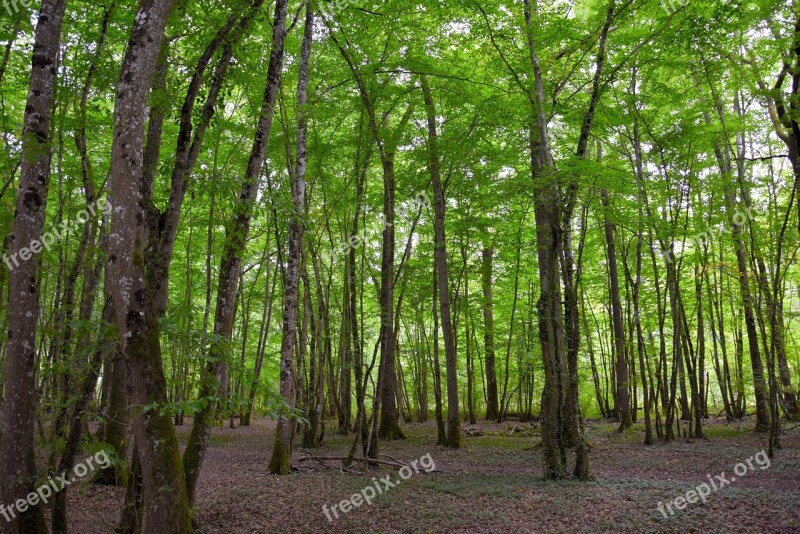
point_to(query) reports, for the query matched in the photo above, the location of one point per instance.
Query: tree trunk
(441, 432)
(266, 322)
(623, 402)
(281, 461)
(389, 425)
(492, 406)
(648, 436)
(352, 308)
(165, 501)
(17, 460)
(440, 253)
(723, 156)
(547, 209)
(571, 272)
(468, 339)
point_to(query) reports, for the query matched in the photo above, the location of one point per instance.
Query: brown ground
(492, 485)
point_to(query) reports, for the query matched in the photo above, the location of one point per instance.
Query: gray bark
(17, 460)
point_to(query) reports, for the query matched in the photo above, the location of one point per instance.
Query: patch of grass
(498, 442)
(725, 430)
(221, 439)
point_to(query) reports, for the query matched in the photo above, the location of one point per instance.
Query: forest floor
(493, 484)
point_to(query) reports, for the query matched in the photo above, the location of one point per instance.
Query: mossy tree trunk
(165, 502)
(548, 216)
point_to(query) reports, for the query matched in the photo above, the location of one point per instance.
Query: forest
(399, 266)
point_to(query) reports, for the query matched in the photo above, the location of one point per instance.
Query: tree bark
(571, 272)
(441, 430)
(17, 459)
(623, 399)
(759, 384)
(164, 492)
(440, 253)
(468, 326)
(389, 424)
(281, 462)
(547, 209)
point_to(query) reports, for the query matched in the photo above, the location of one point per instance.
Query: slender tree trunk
(440, 252)
(492, 402)
(570, 272)
(504, 399)
(190, 142)
(623, 400)
(723, 156)
(389, 426)
(84, 394)
(17, 460)
(91, 275)
(590, 348)
(281, 461)
(700, 355)
(263, 338)
(648, 437)
(75, 435)
(215, 373)
(315, 429)
(721, 377)
(441, 433)
(468, 339)
(352, 308)
(346, 357)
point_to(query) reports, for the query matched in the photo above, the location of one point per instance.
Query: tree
(165, 502)
(281, 461)
(17, 457)
(492, 406)
(623, 402)
(453, 417)
(216, 372)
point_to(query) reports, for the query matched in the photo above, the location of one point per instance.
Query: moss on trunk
(389, 429)
(281, 461)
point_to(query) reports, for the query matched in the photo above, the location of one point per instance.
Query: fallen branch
(345, 470)
(393, 459)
